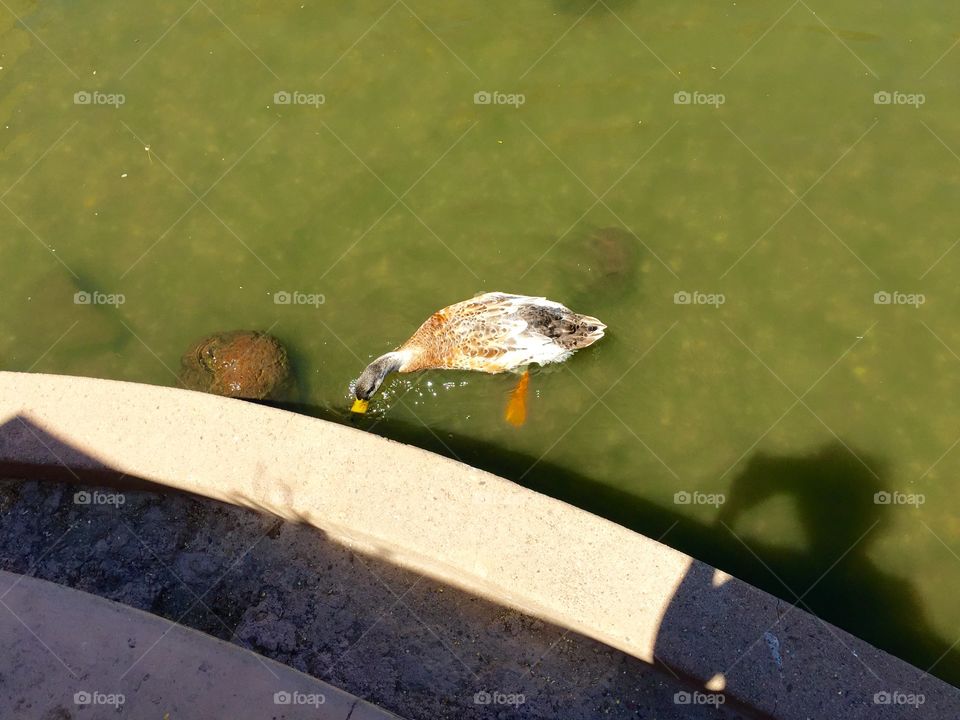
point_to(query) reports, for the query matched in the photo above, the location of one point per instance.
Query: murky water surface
(758, 200)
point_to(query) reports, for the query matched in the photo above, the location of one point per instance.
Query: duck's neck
(388, 363)
(412, 358)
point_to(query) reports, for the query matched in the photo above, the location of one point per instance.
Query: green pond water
(777, 190)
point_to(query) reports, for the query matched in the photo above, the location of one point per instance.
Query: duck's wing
(499, 331)
(495, 332)
(486, 333)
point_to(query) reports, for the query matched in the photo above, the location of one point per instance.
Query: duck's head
(372, 378)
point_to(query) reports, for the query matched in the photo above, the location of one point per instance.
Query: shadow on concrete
(831, 490)
(833, 496)
(288, 591)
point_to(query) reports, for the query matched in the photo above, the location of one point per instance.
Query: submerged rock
(614, 253)
(244, 364)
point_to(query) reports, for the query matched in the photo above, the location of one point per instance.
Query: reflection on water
(797, 199)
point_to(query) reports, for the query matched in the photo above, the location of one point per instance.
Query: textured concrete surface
(103, 659)
(420, 648)
(466, 528)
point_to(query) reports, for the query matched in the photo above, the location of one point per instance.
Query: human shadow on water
(833, 494)
(838, 499)
(841, 502)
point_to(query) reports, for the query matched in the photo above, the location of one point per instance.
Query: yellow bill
(360, 406)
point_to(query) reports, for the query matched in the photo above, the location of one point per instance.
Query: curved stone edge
(68, 650)
(465, 527)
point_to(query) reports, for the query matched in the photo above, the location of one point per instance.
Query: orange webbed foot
(516, 413)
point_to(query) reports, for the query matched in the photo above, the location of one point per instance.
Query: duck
(494, 332)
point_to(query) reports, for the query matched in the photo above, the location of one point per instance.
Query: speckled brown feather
(492, 332)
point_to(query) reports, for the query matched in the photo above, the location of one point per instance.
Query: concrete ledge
(96, 666)
(467, 528)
